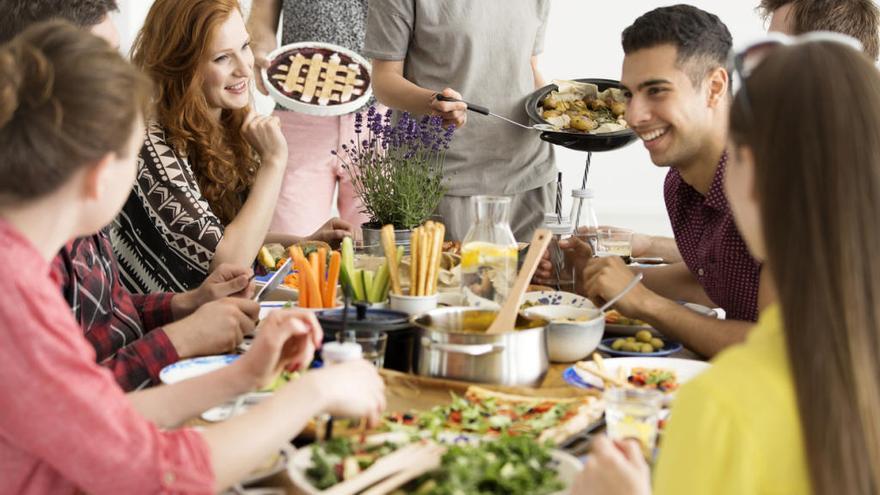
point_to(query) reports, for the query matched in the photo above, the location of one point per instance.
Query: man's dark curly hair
(19, 14)
(702, 40)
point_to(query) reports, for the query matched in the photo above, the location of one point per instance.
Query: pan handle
(470, 350)
(470, 106)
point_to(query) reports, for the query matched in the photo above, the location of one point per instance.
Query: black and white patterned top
(166, 234)
(341, 22)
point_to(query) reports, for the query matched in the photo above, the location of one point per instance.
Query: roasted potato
(618, 108)
(547, 114)
(582, 123)
(596, 105)
(550, 102)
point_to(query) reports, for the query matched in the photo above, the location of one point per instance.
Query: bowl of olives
(644, 343)
(573, 333)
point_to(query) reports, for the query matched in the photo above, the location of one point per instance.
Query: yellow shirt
(735, 429)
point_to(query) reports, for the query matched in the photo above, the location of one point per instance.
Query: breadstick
(391, 257)
(424, 248)
(414, 261)
(434, 259)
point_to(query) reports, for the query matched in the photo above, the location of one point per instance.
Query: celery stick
(379, 283)
(357, 279)
(369, 275)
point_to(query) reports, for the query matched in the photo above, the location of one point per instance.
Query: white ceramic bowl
(573, 332)
(311, 108)
(413, 305)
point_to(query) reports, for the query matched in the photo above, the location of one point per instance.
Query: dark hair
(19, 14)
(66, 100)
(815, 137)
(857, 18)
(702, 40)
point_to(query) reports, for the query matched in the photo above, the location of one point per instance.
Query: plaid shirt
(711, 246)
(114, 320)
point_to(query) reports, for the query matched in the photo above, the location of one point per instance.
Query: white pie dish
(314, 108)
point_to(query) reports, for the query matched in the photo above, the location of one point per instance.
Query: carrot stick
(332, 279)
(322, 270)
(300, 264)
(311, 275)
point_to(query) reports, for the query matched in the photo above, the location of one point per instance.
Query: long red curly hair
(170, 48)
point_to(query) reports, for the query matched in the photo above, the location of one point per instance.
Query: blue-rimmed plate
(191, 368)
(669, 347)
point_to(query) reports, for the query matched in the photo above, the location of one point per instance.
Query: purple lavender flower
(358, 122)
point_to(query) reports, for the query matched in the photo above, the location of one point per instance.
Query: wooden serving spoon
(506, 319)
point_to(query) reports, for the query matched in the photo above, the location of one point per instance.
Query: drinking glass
(613, 241)
(633, 413)
(372, 343)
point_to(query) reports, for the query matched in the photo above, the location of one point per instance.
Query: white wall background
(583, 40)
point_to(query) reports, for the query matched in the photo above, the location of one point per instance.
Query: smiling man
(678, 93)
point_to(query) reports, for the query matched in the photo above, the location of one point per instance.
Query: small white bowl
(413, 305)
(573, 333)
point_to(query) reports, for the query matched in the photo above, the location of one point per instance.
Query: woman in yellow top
(794, 409)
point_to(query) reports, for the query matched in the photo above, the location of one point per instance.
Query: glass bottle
(584, 223)
(562, 276)
(489, 252)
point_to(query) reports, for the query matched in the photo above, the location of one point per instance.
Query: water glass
(372, 343)
(633, 413)
(613, 241)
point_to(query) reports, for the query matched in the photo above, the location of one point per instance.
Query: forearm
(395, 91)
(263, 20)
(536, 73)
(170, 405)
(662, 247)
(140, 362)
(283, 239)
(704, 335)
(245, 235)
(675, 282)
(241, 443)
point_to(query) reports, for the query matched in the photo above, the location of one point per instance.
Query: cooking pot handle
(471, 350)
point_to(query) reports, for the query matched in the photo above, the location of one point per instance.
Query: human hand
(352, 389)
(214, 328)
(286, 339)
(576, 252)
(261, 47)
(605, 277)
(263, 132)
(332, 232)
(452, 112)
(614, 467)
(227, 280)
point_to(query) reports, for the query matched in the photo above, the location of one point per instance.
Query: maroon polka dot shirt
(711, 246)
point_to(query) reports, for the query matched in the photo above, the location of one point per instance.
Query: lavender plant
(396, 169)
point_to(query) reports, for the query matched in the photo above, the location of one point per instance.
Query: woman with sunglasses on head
(794, 409)
(71, 113)
(210, 169)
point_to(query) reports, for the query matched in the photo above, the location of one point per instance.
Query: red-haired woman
(210, 169)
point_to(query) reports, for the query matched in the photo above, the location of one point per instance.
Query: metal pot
(373, 237)
(453, 344)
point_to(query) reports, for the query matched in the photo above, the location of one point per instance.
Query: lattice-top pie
(319, 76)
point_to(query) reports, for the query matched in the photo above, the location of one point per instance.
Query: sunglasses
(746, 59)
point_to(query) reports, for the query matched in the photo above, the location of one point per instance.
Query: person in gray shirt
(486, 51)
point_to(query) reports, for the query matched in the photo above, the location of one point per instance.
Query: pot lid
(361, 317)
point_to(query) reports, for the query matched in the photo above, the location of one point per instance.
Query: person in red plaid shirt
(135, 336)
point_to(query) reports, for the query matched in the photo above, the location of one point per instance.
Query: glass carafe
(489, 252)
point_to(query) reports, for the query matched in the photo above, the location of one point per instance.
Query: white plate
(191, 368)
(312, 108)
(685, 369)
(631, 330)
(567, 466)
(536, 298)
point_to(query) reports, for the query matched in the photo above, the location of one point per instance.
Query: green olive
(630, 347)
(646, 348)
(630, 339)
(657, 343)
(618, 344)
(643, 336)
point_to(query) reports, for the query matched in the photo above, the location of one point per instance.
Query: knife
(274, 281)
